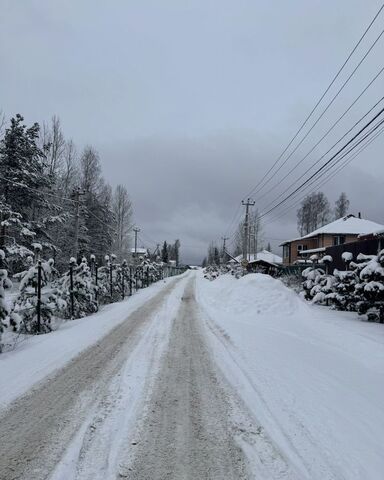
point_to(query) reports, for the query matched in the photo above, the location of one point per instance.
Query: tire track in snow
(187, 431)
(37, 427)
(108, 432)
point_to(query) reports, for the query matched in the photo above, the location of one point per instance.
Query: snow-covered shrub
(371, 287)
(5, 283)
(84, 291)
(323, 283)
(312, 276)
(347, 257)
(344, 296)
(23, 316)
(318, 284)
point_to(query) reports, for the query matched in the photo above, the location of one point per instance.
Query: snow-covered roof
(312, 250)
(139, 251)
(348, 225)
(379, 233)
(264, 255)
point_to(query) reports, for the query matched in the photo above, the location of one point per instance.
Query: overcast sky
(190, 102)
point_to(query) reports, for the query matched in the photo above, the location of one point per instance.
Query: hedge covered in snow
(358, 288)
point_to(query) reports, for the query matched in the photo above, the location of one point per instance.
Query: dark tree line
(171, 252)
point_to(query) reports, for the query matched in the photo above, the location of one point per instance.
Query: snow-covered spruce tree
(311, 277)
(27, 214)
(343, 296)
(5, 283)
(83, 293)
(104, 281)
(23, 317)
(371, 288)
(323, 283)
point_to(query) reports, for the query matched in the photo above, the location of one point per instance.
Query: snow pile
(312, 377)
(255, 293)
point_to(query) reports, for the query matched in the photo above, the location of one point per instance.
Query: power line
(331, 159)
(254, 189)
(330, 149)
(326, 134)
(329, 177)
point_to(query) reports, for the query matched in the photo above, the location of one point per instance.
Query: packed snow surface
(314, 378)
(38, 356)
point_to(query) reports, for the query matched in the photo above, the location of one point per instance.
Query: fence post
(38, 305)
(122, 280)
(110, 280)
(96, 281)
(71, 290)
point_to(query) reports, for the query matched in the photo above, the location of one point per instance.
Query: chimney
(359, 215)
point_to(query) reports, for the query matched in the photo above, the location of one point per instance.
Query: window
(286, 251)
(338, 239)
(301, 248)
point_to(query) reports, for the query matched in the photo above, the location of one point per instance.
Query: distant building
(264, 256)
(139, 252)
(348, 229)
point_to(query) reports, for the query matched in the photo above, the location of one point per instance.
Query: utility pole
(136, 230)
(247, 204)
(224, 242)
(76, 195)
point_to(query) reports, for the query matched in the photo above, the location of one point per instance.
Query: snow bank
(313, 378)
(254, 294)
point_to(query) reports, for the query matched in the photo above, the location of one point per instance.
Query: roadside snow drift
(313, 378)
(253, 295)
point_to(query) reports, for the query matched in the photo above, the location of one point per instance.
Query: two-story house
(344, 230)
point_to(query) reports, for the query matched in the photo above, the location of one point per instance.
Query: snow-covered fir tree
(322, 283)
(371, 288)
(312, 276)
(83, 293)
(23, 317)
(5, 284)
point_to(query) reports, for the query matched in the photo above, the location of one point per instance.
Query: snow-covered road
(193, 379)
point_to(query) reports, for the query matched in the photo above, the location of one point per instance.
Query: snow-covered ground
(36, 357)
(298, 388)
(313, 378)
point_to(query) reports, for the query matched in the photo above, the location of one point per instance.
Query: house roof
(264, 255)
(139, 251)
(343, 226)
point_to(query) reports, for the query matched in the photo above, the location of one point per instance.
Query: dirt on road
(186, 432)
(36, 429)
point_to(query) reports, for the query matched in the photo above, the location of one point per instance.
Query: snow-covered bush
(83, 293)
(5, 283)
(211, 272)
(344, 296)
(371, 287)
(23, 317)
(311, 283)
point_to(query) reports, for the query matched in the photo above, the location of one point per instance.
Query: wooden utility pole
(76, 195)
(224, 243)
(136, 230)
(247, 204)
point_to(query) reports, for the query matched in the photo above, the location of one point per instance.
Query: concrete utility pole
(224, 242)
(136, 230)
(76, 195)
(247, 204)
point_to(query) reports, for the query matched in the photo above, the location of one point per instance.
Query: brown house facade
(343, 230)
